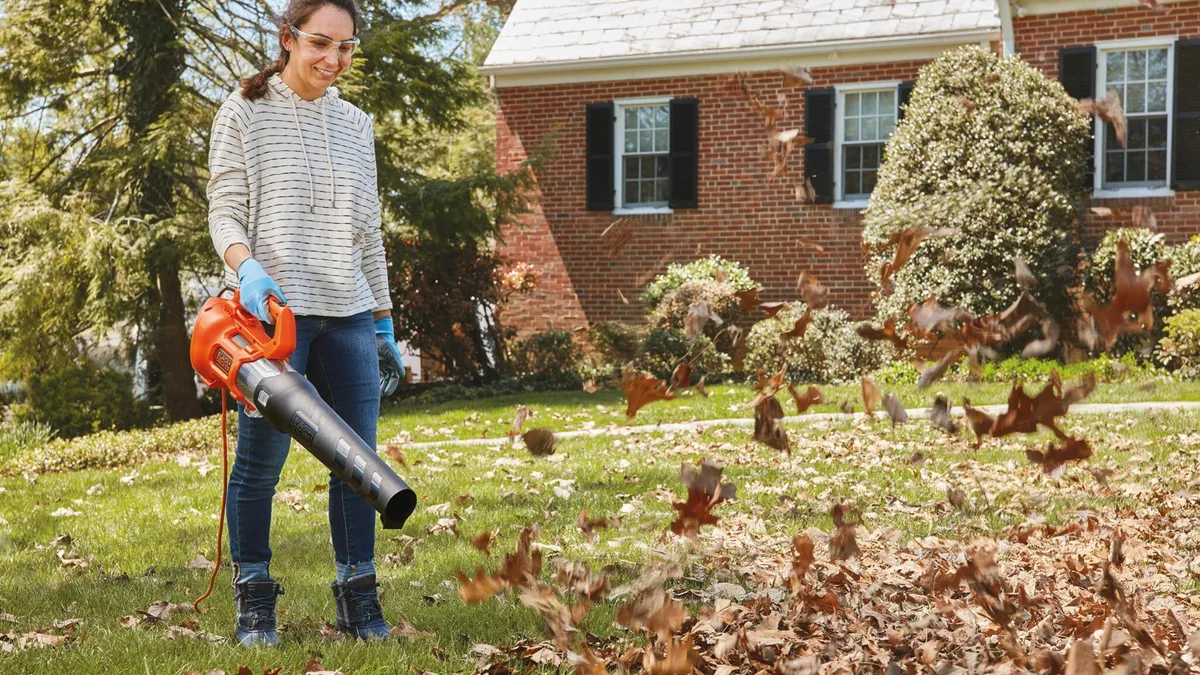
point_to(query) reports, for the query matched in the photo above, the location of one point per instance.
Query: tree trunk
(172, 344)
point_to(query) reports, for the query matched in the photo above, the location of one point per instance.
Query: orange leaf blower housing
(231, 350)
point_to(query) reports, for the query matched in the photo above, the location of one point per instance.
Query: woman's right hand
(256, 286)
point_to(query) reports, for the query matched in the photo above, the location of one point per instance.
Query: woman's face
(314, 70)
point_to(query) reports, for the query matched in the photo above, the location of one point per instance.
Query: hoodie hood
(331, 94)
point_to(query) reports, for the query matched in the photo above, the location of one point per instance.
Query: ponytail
(255, 86)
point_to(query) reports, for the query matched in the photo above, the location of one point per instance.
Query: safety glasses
(319, 44)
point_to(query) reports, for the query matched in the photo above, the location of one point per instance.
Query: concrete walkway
(913, 413)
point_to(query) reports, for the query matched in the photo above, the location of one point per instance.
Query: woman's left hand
(391, 364)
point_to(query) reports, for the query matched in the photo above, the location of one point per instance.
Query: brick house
(647, 127)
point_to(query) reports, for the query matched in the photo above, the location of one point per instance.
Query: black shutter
(600, 122)
(1185, 166)
(682, 160)
(903, 93)
(818, 155)
(1077, 73)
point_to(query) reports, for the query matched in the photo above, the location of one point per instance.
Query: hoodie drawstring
(304, 151)
(328, 159)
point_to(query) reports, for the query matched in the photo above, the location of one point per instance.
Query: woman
(294, 213)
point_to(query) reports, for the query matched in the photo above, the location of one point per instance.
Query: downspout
(1004, 9)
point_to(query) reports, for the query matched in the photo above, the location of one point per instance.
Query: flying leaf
(940, 415)
(539, 441)
(811, 396)
(642, 389)
(767, 429)
(705, 490)
(895, 409)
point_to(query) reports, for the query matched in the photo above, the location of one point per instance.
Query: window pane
(630, 141)
(1158, 64)
(660, 140)
(1114, 167)
(868, 103)
(1156, 97)
(631, 168)
(1110, 138)
(661, 116)
(854, 157)
(1135, 166)
(1137, 66)
(870, 128)
(645, 117)
(870, 156)
(868, 181)
(853, 184)
(1156, 136)
(660, 190)
(631, 118)
(851, 130)
(647, 167)
(887, 127)
(1156, 168)
(1136, 134)
(645, 141)
(1116, 66)
(1136, 101)
(887, 102)
(852, 105)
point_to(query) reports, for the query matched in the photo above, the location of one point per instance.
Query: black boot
(256, 612)
(358, 610)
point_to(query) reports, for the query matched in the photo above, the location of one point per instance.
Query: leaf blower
(231, 351)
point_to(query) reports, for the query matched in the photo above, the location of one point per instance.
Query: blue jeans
(339, 357)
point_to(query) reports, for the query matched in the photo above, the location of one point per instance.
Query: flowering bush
(829, 351)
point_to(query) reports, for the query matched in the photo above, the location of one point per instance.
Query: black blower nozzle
(292, 405)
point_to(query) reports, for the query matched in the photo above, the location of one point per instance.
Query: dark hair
(297, 12)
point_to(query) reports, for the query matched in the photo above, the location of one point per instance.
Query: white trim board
(718, 62)
(1038, 7)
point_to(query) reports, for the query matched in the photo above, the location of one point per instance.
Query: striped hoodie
(296, 182)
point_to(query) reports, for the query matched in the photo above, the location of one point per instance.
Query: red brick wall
(744, 213)
(1038, 39)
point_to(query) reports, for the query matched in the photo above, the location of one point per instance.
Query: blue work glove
(256, 285)
(391, 365)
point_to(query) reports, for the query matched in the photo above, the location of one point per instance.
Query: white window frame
(839, 200)
(619, 106)
(1102, 49)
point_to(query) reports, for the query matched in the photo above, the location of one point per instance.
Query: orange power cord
(212, 580)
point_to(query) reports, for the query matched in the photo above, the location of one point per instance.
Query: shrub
(665, 348)
(1180, 346)
(1145, 248)
(830, 350)
(705, 269)
(673, 310)
(993, 149)
(82, 399)
(1185, 260)
(552, 354)
(115, 449)
(618, 343)
(1106, 369)
(16, 437)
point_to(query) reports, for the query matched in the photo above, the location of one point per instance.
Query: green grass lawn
(138, 535)
(569, 410)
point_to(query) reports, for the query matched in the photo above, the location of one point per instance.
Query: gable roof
(562, 34)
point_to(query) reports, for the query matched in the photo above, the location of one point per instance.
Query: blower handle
(283, 343)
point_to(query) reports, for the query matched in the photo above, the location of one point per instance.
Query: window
(643, 146)
(866, 118)
(1141, 76)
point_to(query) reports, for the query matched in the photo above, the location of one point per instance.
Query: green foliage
(1106, 368)
(665, 348)
(17, 437)
(704, 269)
(829, 352)
(993, 149)
(552, 354)
(1180, 346)
(617, 342)
(672, 310)
(1145, 248)
(1185, 261)
(82, 399)
(119, 449)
